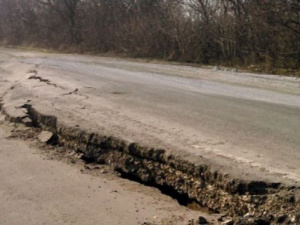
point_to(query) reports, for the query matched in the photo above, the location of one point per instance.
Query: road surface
(247, 125)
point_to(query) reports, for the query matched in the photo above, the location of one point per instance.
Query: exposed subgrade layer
(255, 202)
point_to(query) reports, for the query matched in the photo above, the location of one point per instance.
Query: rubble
(45, 136)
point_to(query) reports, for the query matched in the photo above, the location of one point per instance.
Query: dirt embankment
(49, 184)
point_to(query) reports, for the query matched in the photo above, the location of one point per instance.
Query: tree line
(229, 32)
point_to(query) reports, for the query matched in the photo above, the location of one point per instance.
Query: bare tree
(67, 10)
(234, 32)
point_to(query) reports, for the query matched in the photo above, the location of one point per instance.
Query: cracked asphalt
(247, 125)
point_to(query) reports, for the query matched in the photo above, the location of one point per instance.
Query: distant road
(236, 121)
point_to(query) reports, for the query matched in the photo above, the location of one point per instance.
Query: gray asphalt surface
(235, 121)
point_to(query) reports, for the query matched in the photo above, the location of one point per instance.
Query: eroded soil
(45, 184)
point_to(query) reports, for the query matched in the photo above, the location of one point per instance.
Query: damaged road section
(36, 77)
(254, 202)
(227, 142)
(40, 186)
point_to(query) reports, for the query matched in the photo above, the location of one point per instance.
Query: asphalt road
(236, 121)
